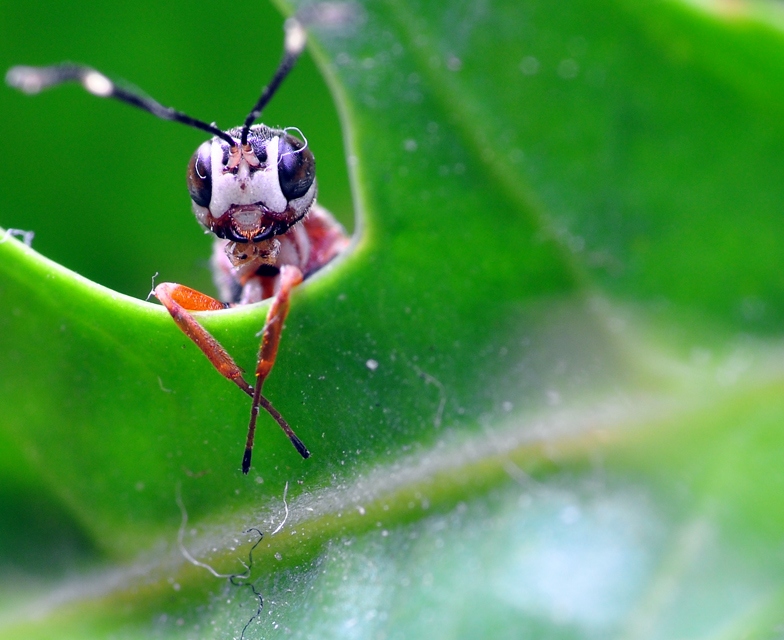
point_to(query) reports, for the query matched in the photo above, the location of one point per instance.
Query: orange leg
(179, 300)
(290, 277)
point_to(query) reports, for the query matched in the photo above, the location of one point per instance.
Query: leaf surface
(542, 390)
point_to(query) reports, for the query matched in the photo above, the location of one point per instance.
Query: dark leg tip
(299, 446)
(246, 461)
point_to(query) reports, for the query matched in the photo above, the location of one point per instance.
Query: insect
(254, 188)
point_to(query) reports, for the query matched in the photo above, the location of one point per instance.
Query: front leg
(180, 300)
(289, 278)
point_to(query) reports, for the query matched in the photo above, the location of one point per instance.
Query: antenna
(293, 46)
(36, 79)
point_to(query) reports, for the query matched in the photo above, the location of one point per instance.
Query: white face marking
(246, 187)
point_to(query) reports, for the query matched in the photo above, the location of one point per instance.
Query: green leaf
(543, 390)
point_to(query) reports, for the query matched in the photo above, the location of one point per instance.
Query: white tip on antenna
(295, 37)
(97, 84)
(27, 79)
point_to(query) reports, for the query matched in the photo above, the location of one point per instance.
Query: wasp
(253, 187)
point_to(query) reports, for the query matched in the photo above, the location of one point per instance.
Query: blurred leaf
(543, 392)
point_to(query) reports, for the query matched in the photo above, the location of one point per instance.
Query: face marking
(245, 199)
(248, 184)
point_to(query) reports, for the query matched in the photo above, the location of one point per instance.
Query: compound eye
(199, 176)
(296, 167)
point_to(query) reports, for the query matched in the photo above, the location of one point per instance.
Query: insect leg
(179, 300)
(290, 277)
